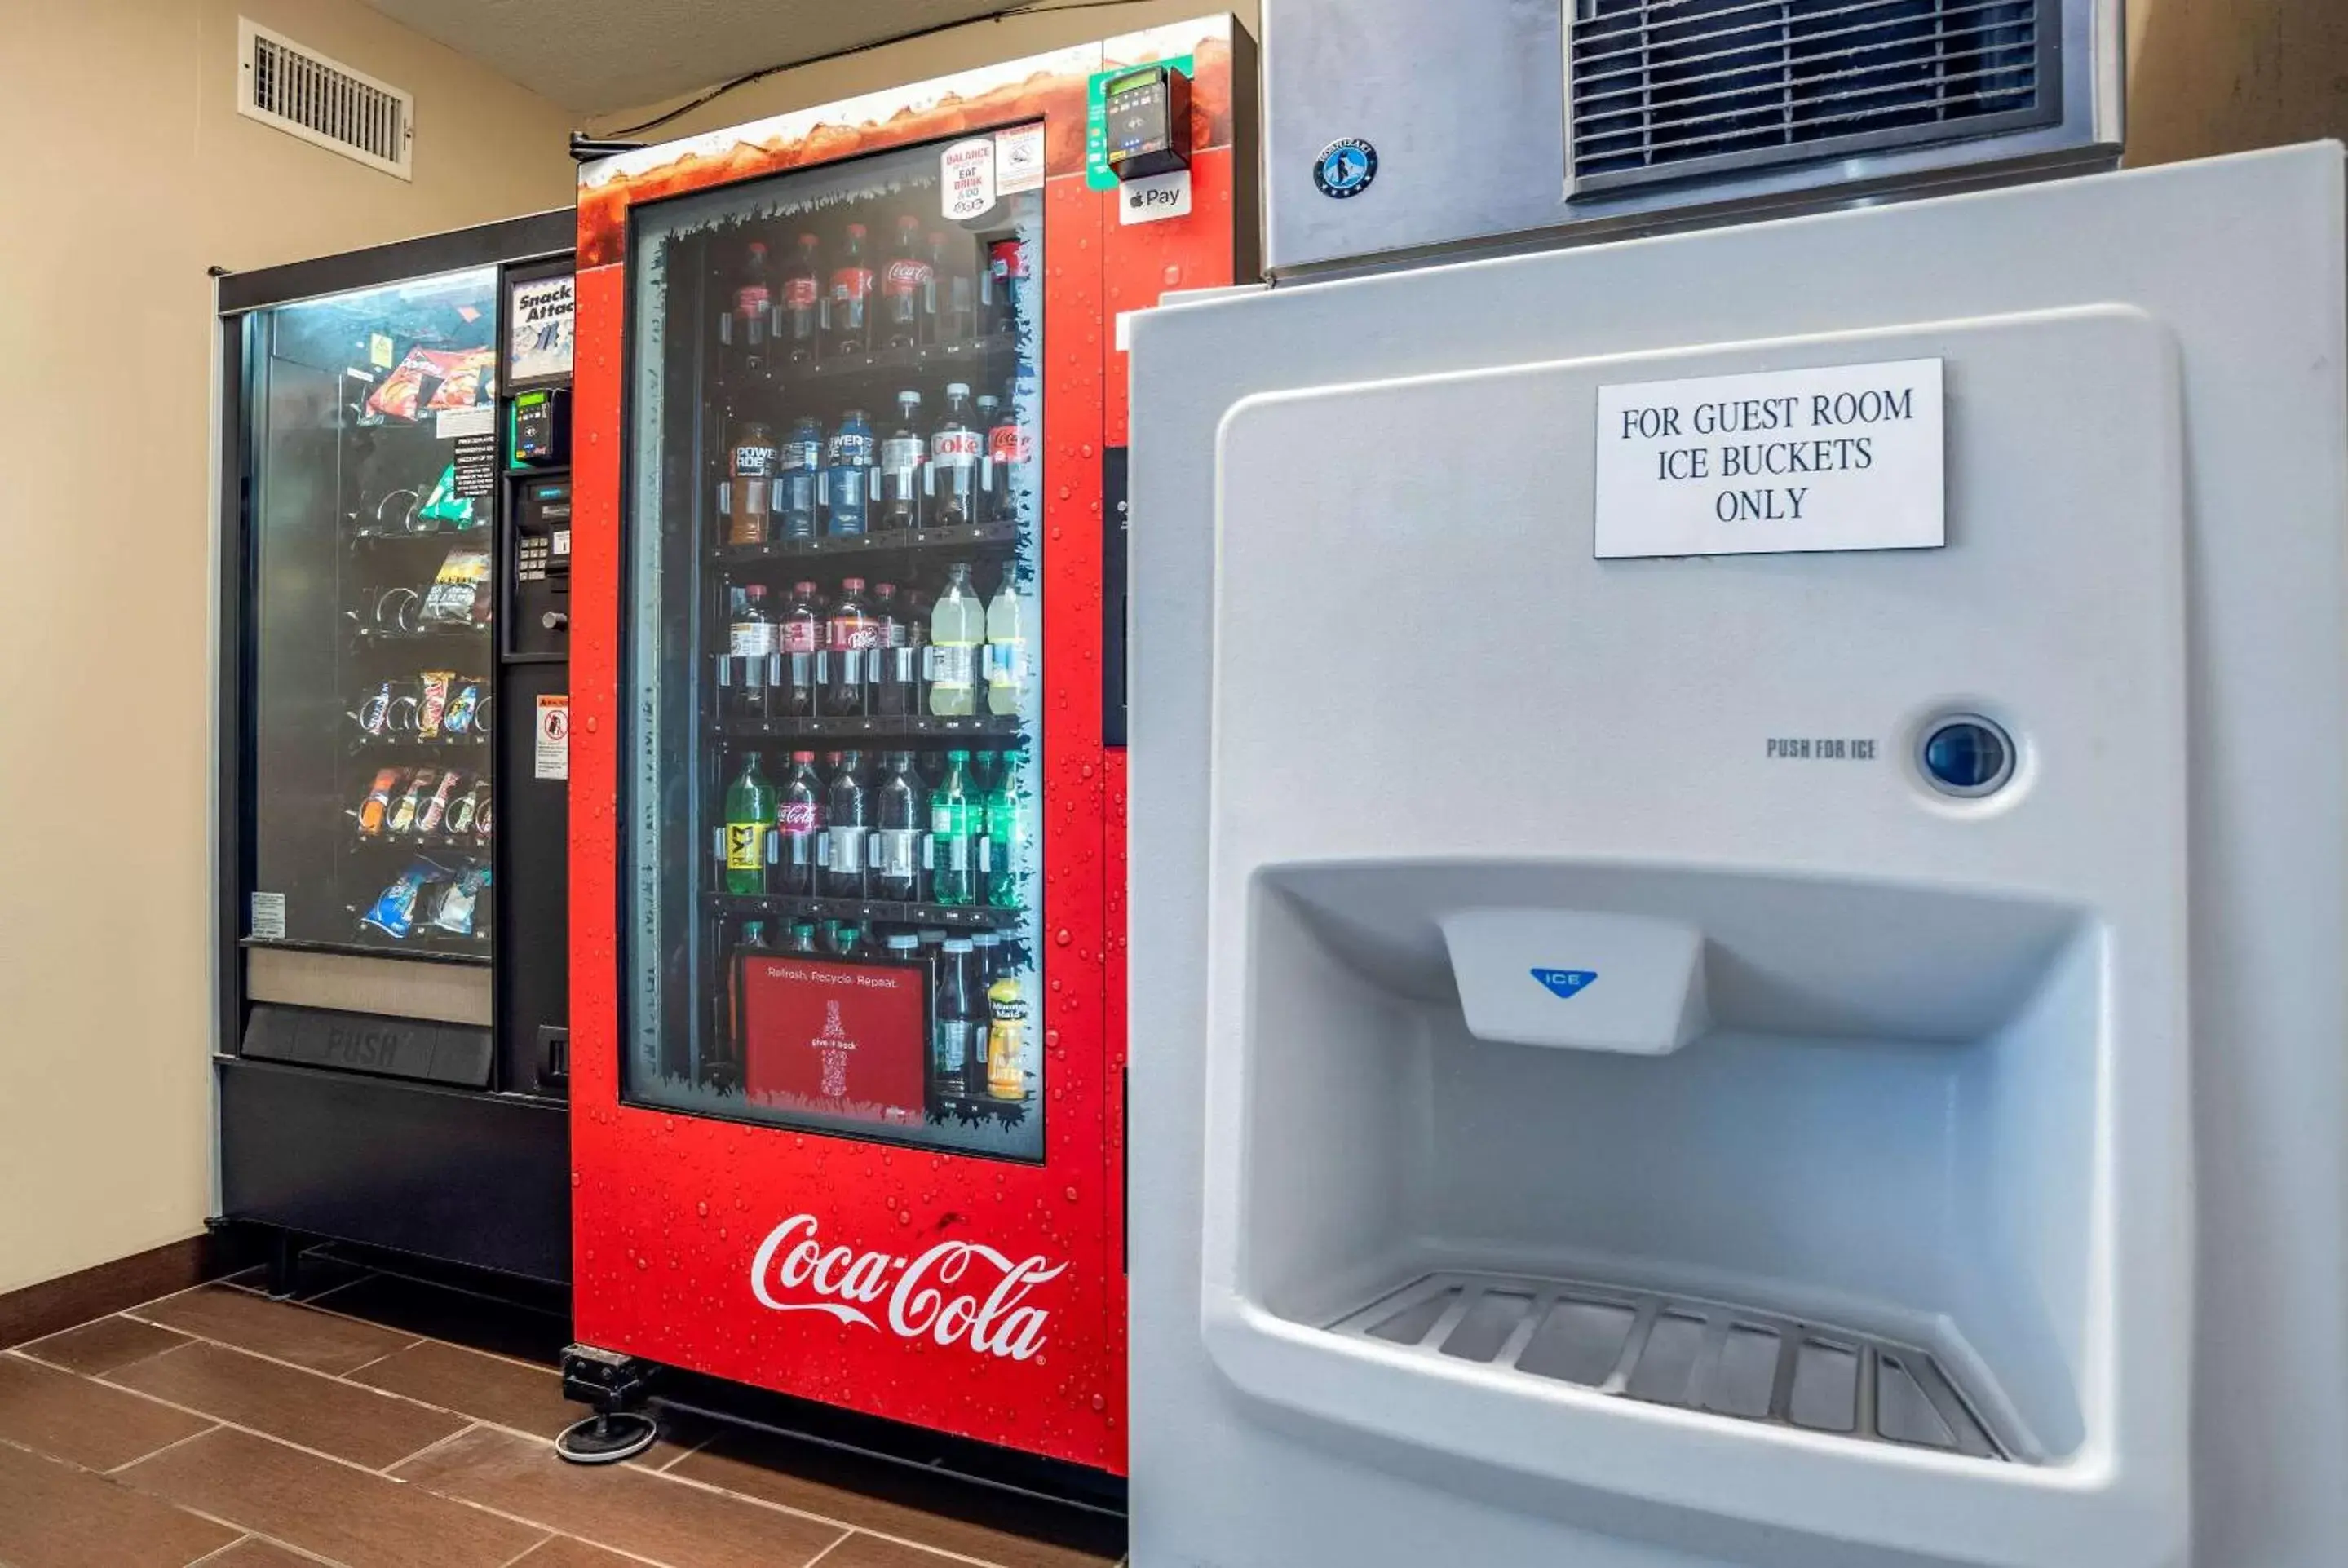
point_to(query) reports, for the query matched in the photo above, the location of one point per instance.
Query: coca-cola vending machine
(847, 779)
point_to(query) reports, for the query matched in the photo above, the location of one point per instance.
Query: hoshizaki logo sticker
(1345, 168)
(1566, 982)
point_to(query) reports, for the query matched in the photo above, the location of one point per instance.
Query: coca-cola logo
(926, 1296)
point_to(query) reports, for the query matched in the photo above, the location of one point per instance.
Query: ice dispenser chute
(1827, 1169)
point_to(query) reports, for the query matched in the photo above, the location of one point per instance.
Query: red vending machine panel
(847, 811)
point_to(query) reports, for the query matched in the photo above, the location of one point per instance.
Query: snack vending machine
(848, 841)
(395, 520)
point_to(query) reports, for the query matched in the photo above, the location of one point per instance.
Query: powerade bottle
(798, 481)
(848, 475)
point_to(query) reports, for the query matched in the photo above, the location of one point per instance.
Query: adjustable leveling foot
(615, 1385)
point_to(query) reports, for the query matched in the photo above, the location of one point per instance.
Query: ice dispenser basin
(1795, 1154)
(1591, 982)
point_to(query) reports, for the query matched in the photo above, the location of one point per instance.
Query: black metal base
(607, 1437)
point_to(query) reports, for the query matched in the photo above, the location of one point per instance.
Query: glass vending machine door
(831, 861)
(372, 451)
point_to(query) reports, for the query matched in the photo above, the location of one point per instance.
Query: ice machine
(1747, 859)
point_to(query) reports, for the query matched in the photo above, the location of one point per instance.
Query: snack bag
(437, 807)
(394, 910)
(433, 708)
(458, 719)
(453, 912)
(465, 378)
(419, 790)
(459, 592)
(378, 801)
(442, 505)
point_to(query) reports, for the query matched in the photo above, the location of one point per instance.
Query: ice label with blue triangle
(1565, 982)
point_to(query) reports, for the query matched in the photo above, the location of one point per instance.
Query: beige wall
(939, 55)
(126, 171)
(2225, 75)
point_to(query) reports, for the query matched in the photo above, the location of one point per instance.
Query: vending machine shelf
(971, 354)
(1003, 727)
(881, 911)
(889, 542)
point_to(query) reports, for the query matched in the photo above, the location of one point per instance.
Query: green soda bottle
(1006, 835)
(749, 820)
(952, 826)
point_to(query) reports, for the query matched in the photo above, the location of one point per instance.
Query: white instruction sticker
(1834, 457)
(1018, 159)
(1159, 196)
(451, 423)
(966, 179)
(553, 736)
(268, 917)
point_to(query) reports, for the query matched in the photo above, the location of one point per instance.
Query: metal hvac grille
(1666, 89)
(323, 103)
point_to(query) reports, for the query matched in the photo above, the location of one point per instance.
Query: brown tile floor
(353, 1428)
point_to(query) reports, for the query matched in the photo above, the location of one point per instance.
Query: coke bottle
(849, 636)
(796, 495)
(851, 297)
(798, 640)
(799, 313)
(1004, 305)
(956, 1018)
(750, 646)
(905, 287)
(955, 288)
(799, 825)
(894, 685)
(953, 463)
(746, 326)
(1006, 458)
(846, 821)
(900, 466)
(897, 831)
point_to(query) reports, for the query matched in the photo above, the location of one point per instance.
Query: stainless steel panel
(388, 988)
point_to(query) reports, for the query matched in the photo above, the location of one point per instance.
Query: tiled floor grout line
(275, 1361)
(166, 1448)
(352, 1376)
(827, 1552)
(441, 1442)
(246, 1532)
(257, 1431)
(526, 1551)
(667, 1465)
(217, 1552)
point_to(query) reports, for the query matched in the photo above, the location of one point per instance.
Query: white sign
(540, 315)
(927, 1294)
(553, 735)
(1838, 457)
(966, 179)
(1018, 159)
(481, 419)
(1158, 196)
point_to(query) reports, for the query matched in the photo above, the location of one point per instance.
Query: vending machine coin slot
(538, 428)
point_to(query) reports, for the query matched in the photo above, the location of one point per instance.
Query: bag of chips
(394, 910)
(459, 592)
(452, 910)
(428, 380)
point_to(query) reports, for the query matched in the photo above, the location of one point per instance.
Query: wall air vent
(305, 94)
(1678, 89)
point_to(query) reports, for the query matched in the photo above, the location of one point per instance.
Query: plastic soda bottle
(957, 627)
(1006, 646)
(953, 811)
(749, 819)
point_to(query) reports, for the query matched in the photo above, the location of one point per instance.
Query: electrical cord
(743, 80)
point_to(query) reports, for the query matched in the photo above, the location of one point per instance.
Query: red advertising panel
(847, 820)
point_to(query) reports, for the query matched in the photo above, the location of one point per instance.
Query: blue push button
(1966, 756)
